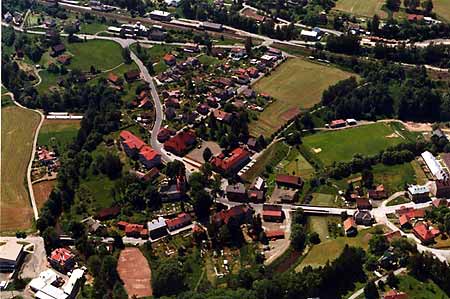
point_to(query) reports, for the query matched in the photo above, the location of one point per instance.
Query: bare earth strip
(137, 283)
(42, 190)
(18, 129)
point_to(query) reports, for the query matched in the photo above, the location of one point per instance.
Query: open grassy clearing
(419, 289)
(296, 164)
(341, 145)
(58, 132)
(319, 224)
(103, 55)
(322, 199)
(18, 127)
(442, 8)
(331, 249)
(365, 8)
(297, 83)
(92, 28)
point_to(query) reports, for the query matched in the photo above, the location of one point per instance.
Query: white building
(10, 256)
(418, 193)
(433, 165)
(43, 288)
(173, 3)
(47, 277)
(309, 35)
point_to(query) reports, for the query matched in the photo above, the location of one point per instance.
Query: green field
(341, 145)
(92, 28)
(54, 132)
(296, 164)
(419, 289)
(18, 127)
(442, 8)
(330, 249)
(394, 177)
(296, 83)
(365, 8)
(322, 199)
(103, 55)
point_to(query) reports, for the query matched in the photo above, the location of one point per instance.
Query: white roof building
(10, 255)
(51, 292)
(418, 189)
(174, 3)
(433, 165)
(156, 223)
(72, 285)
(45, 278)
(310, 34)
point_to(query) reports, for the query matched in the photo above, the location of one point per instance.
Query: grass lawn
(331, 249)
(297, 83)
(18, 128)
(418, 289)
(394, 177)
(322, 199)
(442, 8)
(99, 187)
(208, 60)
(92, 28)
(48, 80)
(398, 201)
(341, 145)
(365, 8)
(103, 55)
(54, 132)
(319, 224)
(421, 177)
(296, 164)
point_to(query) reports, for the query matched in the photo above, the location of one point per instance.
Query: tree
(174, 169)
(169, 279)
(298, 237)
(392, 280)
(314, 238)
(248, 46)
(371, 291)
(411, 4)
(378, 244)
(393, 5)
(367, 178)
(375, 24)
(207, 154)
(202, 202)
(126, 55)
(427, 5)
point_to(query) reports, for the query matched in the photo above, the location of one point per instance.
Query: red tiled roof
(349, 223)
(221, 115)
(414, 17)
(182, 219)
(404, 219)
(169, 57)
(422, 232)
(133, 228)
(61, 255)
(225, 215)
(272, 234)
(113, 77)
(181, 141)
(148, 153)
(393, 235)
(337, 122)
(272, 213)
(131, 140)
(227, 163)
(288, 179)
(394, 294)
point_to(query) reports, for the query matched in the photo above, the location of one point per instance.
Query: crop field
(365, 8)
(101, 54)
(442, 8)
(341, 145)
(295, 84)
(17, 143)
(58, 132)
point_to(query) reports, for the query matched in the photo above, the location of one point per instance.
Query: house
(394, 235)
(418, 193)
(241, 214)
(272, 215)
(149, 157)
(253, 72)
(107, 213)
(415, 18)
(231, 163)
(274, 234)
(8, 17)
(49, 23)
(363, 218)
(157, 228)
(133, 230)
(236, 192)
(258, 184)
(439, 202)
(238, 53)
(173, 192)
(147, 176)
(57, 49)
(181, 143)
(11, 256)
(222, 116)
(394, 294)
(289, 181)
(203, 108)
(164, 134)
(255, 195)
(170, 113)
(62, 259)
(446, 159)
(378, 193)
(404, 221)
(350, 227)
(169, 59)
(161, 15)
(422, 232)
(182, 220)
(363, 204)
(249, 93)
(437, 133)
(113, 78)
(134, 146)
(434, 166)
(132, 75)
(309, 35)
(440, 188)
(92, 224)
(64, 59)
(338, 123)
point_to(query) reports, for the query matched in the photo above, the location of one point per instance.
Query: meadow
(341, 145)
(17, 144)
(101, 54)
(366, 8)
(58, 132)
(296, 84)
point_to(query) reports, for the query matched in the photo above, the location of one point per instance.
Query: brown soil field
(42, 191)
(137, 283)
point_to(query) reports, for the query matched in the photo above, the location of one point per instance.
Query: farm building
(350, 228)
(182, 220)
(160, 15)
(181, 143)
(440, 188)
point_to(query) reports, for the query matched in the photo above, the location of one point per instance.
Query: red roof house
(180, 143)
(113, 78)
(338, 123)
(363, 204)
(231, 163)
(169, 59)
(350, 227)
(422, 232)
(272, 215)
(291, 181)
(394, 294)
(62, 259)
(275, 234)
(133, 145)
(242, 214)
(182, 220)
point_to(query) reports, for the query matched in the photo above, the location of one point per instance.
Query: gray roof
(10, 251)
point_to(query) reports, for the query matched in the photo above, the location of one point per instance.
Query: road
(33, 152)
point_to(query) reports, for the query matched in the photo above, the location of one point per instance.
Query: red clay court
(135, 272)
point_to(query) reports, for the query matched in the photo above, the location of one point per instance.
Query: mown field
(341, 145)
(58, 132)
(442, 8)
(18, 127)
(296, 83)
(101, 54)
(365, 8)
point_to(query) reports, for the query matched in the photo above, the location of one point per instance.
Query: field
(394, 177)
(341, 145)
(58, 132)
(103, 55)
(365, 8)
(442, 8)
(297, 83)
(330, 249)
(137, 283)
(419, 289)
(322, 199)
(296, 164)
(42, 190)
(17, 142)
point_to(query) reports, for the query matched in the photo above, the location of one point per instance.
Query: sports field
(341, 145)
(137, 282)
(102, 54)
(58, 132)
(295, 84)
(365, 8)
(442, 8)
(17, 143)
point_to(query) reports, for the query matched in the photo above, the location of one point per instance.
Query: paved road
(30, 163)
